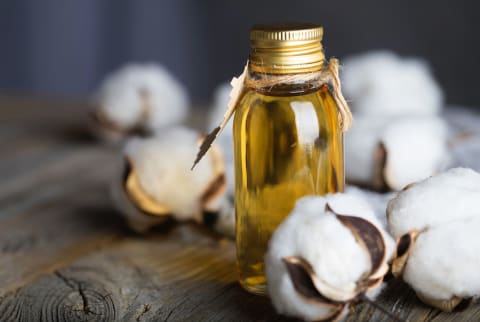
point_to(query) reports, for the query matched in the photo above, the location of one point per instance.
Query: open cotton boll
(139, 97)
(386, 153)
(163, 166)
(324, 244)
(444, 261)
(451, 195)
(221, 97)
(159, 180)
(380, 82)
(436, 222)
(415, 148)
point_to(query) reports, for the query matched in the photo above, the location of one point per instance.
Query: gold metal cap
(286, 48)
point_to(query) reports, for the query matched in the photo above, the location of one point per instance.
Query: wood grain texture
(66, 255)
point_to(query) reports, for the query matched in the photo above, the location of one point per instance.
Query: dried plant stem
(393, 317)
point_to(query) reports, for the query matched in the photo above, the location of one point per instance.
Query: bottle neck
(287, 84)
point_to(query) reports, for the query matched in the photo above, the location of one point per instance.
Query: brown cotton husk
(108, 131)
(137, 218)
(408, 186)
(323, 289)
(305, 283)
(453, 304)
(371, 239)
(379, 182)
(404, 246)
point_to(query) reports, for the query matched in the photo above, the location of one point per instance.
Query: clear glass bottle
(287, 139)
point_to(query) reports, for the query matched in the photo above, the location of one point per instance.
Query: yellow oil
(287, 145)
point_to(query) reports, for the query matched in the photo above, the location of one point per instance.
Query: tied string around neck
(328, 75)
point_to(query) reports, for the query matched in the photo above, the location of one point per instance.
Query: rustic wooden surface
(66, 255)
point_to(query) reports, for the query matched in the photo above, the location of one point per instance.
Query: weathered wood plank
(40, 109)
(49, 234)
(184, 277)
(62, 167)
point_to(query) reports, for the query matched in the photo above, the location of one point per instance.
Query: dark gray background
(65, 47)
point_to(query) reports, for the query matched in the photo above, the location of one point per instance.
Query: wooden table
(66, 255)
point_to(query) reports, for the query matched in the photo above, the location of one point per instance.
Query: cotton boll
(159, 181)
(136, 98)
(382, 83)
(315, 231)
(445, 260)
(451, 195)
(385, 153)
(315, 235)
(436, 222)
(415, 149)
(225, 140)
(160, 173)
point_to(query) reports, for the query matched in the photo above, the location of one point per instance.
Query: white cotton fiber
(378, 201)
(142, 96)
(445, 211)
(452, 195)
(383, 83)
(361, 143)
(445, 260)
(416, 148)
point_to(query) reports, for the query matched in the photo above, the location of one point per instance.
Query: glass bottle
(287, 139)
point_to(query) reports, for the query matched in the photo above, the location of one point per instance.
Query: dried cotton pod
(436, 222)
(136, 99)
(327, 253)
(386, 154)
(156, 181)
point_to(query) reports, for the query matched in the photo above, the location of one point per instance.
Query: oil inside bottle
(287, 145)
